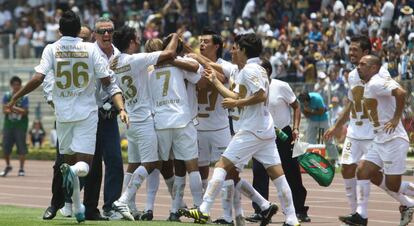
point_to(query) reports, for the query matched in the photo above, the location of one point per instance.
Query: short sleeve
(386, 87)
(287, 94)
(46, 62)
(25, 102)
(251, 78)
(6, 98)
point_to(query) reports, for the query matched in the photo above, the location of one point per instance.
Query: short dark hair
(15, 79)
(304, 96)
(363, 41)
(216, 40)
(123, 36)
(251, 43)
(267, 66)
(69, 24)
(167, 41)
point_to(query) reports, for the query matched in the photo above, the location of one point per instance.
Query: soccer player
(130, 68)
(213, 128)
(383, 101)
(253, 139)
(174, 125)
(76, 65)
(360, 133)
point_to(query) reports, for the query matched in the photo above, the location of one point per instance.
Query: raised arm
(211, 75)
(169, 52)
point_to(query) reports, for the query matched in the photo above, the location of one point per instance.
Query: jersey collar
(255, 60)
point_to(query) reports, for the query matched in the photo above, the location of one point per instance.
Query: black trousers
(58, 196)
(107, 147)
(292, 172)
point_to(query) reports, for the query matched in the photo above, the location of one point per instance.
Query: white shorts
(79, 136)
(183, 142)
(211, 145)
(245, 145)
(390, 156)
(353, 150)
(142, 142)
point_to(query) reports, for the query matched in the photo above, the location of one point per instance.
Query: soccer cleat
(66, 210)
(406, 215)
(6, 171)
(256, 217)
(223, 221)
(21, 173)
(286, 224)
(303, 217)
(174, 217)
(354, 219)
(268, 214)
(112, 215)
(123, 209)
(147, 215)
(196, 214)
(134, 211)
(80, 214)
(240, 221)
(68, 176)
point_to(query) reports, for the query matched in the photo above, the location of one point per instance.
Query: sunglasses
(103, 31)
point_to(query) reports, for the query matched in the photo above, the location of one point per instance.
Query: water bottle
(281, 135)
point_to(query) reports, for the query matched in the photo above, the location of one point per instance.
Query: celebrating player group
(175, 103)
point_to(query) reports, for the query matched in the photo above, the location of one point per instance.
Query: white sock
(138, 177)
(205, 183)
(153, 182)
(247, 190)
(213, 188)
(350, 191)
(178, 193)
(127, 179)
(196, 187)
(363, 190)
(170, 183)
(227, 194)
(81, 169)
(286, 201)
(237, 204)
(407, 188)
(401, 198)
(76, 195)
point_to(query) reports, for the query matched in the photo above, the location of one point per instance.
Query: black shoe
(268, 214)
(174, 217)
(256, 217)
(50, 213)
(223, 221)
(147, 216)
(354, 219)
(6, 171)
(303, 217)
(96, 216)
(21, 173)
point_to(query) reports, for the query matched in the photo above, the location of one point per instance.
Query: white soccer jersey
(169, 96)
(254, 118)
(380, 105)
(359, 127)
(211, 114)
(132, 75)
(192, 88)
(76, 65)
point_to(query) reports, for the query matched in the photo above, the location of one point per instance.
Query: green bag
(318, 167)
